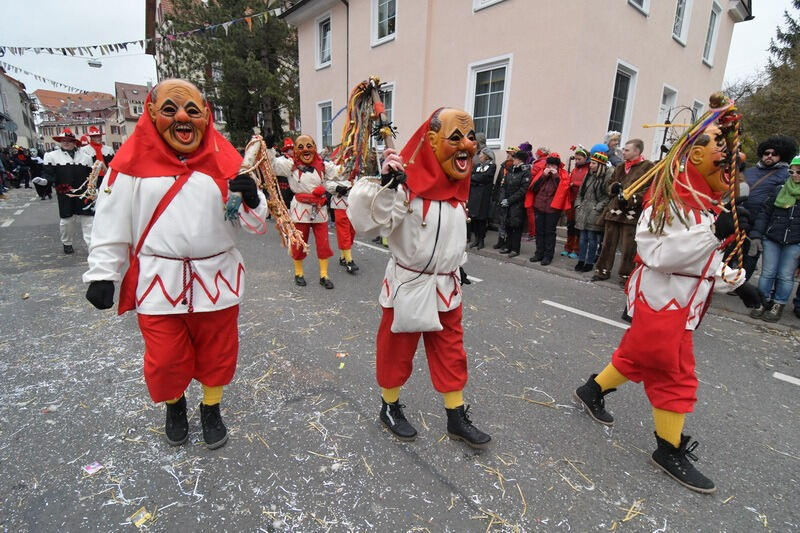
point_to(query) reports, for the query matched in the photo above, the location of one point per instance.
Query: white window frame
(712, 49)
(630, 100)
(682, 37)
(699, 107)
(390, 85)
(320, 134)
(659, 133)
(318, 41)
(477, 5)
(473, 69)
(375, 41)
(644, 9)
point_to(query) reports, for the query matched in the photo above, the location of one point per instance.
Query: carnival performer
(680, 236)
(308, 174)
(98, 150)
(164, 201)
(67, 168)
(338, 186)
(283, 181)
(425, 221)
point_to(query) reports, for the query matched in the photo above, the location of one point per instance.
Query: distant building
(76, 111)
(551, 72)
(16, 113)
(130, 106)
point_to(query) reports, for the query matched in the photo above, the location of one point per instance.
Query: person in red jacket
(536, 170)
(576, 177)
(551, 196)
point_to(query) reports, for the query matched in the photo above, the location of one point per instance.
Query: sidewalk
(722, 304)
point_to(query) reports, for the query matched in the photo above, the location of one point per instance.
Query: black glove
(616, 188)
(399, 177)
(342, 190)
(246, 185)
(101, 294)
(749, 295)
(723, 226)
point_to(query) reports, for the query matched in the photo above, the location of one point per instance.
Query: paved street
(306, 452)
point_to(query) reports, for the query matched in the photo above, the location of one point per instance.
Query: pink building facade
(552, 72)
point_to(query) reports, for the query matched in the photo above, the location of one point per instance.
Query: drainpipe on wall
(347, 58)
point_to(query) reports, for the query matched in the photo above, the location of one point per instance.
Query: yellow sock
(610, 378)
(347, 255)
(298, 267)
(173, 401)
(212, 395)
(390, 395)
(323, 268)
(669, 425)
(453, 399)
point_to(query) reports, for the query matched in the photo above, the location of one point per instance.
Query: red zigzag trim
(157, 280)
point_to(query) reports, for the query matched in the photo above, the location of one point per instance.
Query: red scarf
(425, 177)
(630, 164)
(693, 177)
(98, 151)
(146, 155)
(317, 163)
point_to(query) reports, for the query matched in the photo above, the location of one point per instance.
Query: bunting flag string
(42, 79)
(111, 48)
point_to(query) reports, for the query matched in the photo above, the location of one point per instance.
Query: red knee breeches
(345, 232)
(320, 230)
(182, 347)
(447, 359)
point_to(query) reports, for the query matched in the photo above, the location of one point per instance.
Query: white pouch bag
(415, 307)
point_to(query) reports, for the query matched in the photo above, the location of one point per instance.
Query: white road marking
(586, 314)
(19, 211)
(7, 223)
(379, 248)
(26, 205)
(473, 279)
(788, 379)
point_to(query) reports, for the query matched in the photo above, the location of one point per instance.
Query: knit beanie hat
(526, 147)
(600, 153)
(554, 159)
(795, 161)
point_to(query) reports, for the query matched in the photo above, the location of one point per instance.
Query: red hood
(146, 155)
(693, 177)
(425, 177)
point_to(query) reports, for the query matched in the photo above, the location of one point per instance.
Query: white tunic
(305, 182)
(422, 277)
(105, 149)
(672, 263)
(190, 247)
(338, 201)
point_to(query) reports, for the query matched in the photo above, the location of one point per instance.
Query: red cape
(146, 155)
(425, 177)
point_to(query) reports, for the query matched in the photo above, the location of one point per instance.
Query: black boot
(480, 245)
(395, 421)
(474, 243)
(579, 266)
(214, 431)
(177, 425)
(500, 244)
(351, 267)
(299, 280)
(464, 277)
(675, 462)
(459, 427)
(68, 249)
(326, 282)
(591, 398)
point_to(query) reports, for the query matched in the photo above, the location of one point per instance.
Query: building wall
(563, 62)
(17, 105)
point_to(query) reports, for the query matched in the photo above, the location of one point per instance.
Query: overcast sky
(58, 23)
